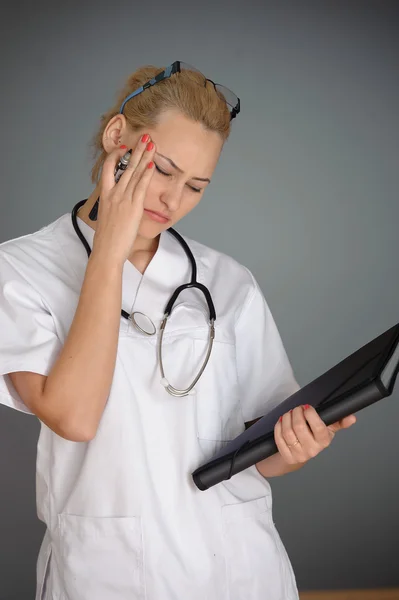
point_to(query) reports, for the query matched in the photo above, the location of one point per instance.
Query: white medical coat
(124, 519)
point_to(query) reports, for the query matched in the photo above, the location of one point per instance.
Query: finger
(294, 439)
(317, 428)
(107, 180)
(281, 444)
(308, 447)
(292, 428)
(135, 160)
(140, 190)
(140, 170)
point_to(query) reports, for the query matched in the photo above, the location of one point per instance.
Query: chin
(151, 230)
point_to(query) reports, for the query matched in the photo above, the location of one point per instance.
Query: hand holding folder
(361, 379)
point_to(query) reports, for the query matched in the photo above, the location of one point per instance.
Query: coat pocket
(256, 567)
(102, 557)
(218, 408)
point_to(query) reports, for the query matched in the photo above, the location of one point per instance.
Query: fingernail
(307, 406)
(145, 138)
(150, 165)
(123, 147)
(150, 146)
(280, 419)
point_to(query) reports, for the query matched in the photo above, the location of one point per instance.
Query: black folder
(361, 379)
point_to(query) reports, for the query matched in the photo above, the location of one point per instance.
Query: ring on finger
(294, 444)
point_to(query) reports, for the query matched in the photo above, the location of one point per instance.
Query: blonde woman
(123, 423)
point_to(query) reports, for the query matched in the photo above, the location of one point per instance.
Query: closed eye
(197, 190)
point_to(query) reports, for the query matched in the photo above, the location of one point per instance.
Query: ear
(114, 133)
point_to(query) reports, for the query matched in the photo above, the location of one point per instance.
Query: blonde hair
(185, 91)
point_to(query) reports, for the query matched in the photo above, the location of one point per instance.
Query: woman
(116, 450)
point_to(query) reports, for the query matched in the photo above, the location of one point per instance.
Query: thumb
(342, 424)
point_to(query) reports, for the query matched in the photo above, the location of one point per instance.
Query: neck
(143, 248)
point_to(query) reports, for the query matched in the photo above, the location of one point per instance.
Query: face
(185, 159)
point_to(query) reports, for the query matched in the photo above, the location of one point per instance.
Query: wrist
(106, 262)
(274, 466)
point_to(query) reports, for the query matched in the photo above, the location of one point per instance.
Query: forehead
(187, 143)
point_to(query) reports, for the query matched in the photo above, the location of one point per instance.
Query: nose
(172, 198)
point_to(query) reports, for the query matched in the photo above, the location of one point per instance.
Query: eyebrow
(180, 170)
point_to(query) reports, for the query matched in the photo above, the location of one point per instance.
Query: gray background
(305, 195)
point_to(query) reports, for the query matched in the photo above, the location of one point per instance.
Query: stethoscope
(137, 316)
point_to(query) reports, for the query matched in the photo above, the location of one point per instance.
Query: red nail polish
(307, 405)
(150, 165)
(280, 419)
(123, 147)
(150, 146)
(145, 138)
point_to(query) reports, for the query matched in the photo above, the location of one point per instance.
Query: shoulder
(223, 274)
(28, 255)
(217, 263)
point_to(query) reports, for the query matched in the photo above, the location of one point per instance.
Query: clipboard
(361, 379)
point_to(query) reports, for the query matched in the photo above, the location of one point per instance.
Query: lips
(157, 214)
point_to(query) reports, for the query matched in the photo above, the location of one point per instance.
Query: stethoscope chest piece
(143, 323)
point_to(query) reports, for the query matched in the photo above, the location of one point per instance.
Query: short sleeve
(28, 340)
(265, 374)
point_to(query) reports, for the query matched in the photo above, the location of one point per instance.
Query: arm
(268, 379)
(300, 435)
(72, 398)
